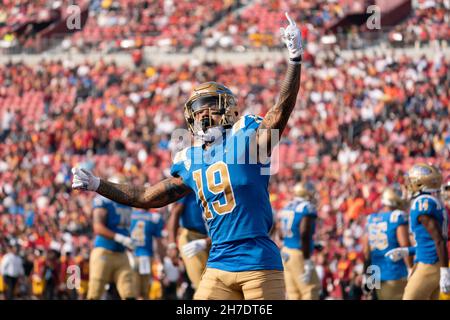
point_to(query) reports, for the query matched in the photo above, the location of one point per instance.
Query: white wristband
(120, 238)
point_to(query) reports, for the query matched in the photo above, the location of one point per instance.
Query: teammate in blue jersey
(109, 262)
(193, 240)
(429, 226)
(145, 227)
(387, 230)
(297, 222)
(243, 263)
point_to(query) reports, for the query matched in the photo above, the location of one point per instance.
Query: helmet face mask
(220, 103)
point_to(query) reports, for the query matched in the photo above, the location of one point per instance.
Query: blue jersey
(145, 226)
(426, 204)
(232, 189)
(117, 220)
(382, 230)
(192, 215)
(291, 217)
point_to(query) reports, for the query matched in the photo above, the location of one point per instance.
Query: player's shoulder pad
(425, 203)
(248, 121)
(306, 207)
(155, 217)
(397, 216)
(181, 162)
(181, 156)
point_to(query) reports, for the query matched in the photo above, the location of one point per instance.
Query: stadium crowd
(359, 124)
(179, 26)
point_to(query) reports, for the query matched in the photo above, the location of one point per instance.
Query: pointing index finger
(291, 22)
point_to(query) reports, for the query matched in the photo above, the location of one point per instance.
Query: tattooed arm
(277, 117)
(156, 196)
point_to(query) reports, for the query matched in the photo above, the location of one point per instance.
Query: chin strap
(211, 134)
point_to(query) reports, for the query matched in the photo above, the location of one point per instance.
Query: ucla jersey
(117, 220)
(145, 226)
(230, 188)
(382, 230)
(426, 204)
(192, 215)
(290, 217)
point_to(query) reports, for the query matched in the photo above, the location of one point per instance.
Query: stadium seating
(359, 124)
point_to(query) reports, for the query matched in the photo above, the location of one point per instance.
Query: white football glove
(292, 38)
(308, 271)
(192, 248)
(444, 281)
(397, 254)
(125, 241)
(84, 180)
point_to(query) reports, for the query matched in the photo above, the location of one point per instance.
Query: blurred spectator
(358, 125)
(171, 274)
(11, 269)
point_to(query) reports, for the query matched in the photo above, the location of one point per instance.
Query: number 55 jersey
(382, 231)
(232, 189)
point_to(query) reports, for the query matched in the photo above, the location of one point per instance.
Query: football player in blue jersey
(243, 263)
(428, 223)
(109, 262)
(297, 223)
(145, 227)
(193, 239)
(387, 230)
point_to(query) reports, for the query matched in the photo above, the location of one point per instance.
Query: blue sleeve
(307, 210)
(252, 122)
(178, 170)
(424, 206)
(180, 162)
(402, 220)
(398, 218)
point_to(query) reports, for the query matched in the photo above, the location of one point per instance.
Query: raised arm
(277, 117)
(156, 196)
